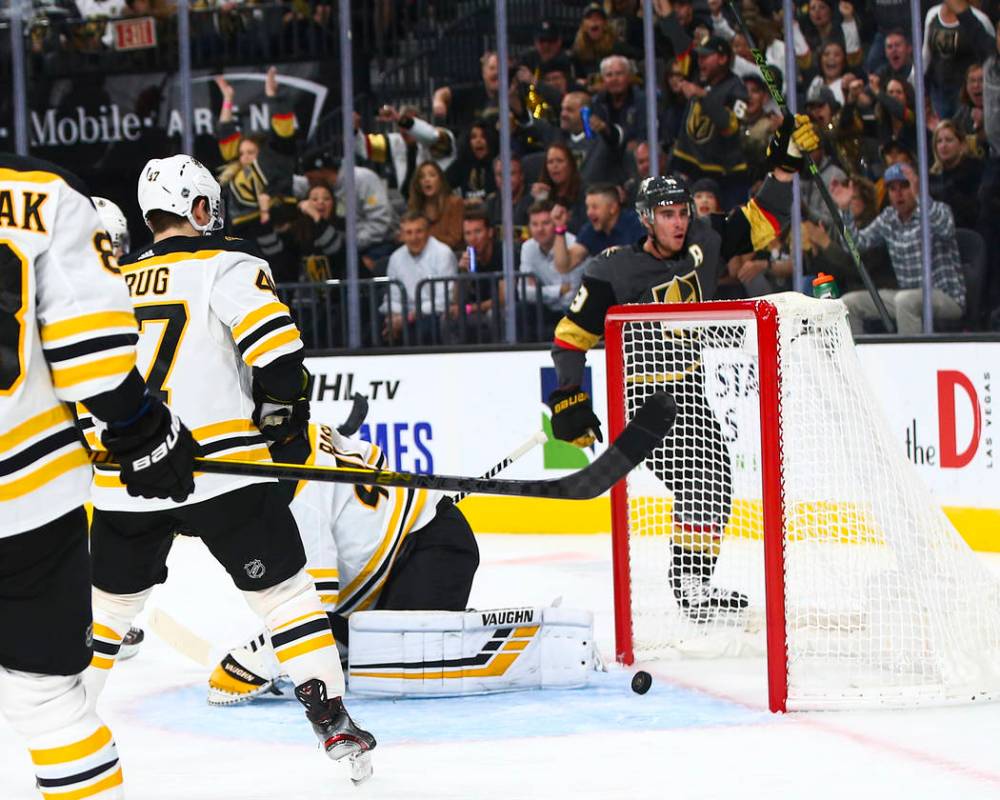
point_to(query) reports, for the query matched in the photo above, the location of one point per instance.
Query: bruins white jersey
(207, 313)
(67, 333)
(352, 534)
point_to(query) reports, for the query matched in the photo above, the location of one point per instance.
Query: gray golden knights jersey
(631, 275)
(207, 313)
(67, 333)
(352, 534)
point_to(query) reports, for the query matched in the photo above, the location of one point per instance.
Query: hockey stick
(813, 171)
(359, 410)
(538, 437)
(643, 433)
(180, 637)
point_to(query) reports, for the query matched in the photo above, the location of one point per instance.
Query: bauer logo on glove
(573, 417)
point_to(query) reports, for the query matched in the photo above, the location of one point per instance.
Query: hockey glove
(280, 419)
(573, 417)
(795, 137)
(156, 453)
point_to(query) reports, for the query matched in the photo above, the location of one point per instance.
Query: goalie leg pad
(441, 653)
(72, 750)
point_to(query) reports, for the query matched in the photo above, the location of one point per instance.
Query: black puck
(641, 682)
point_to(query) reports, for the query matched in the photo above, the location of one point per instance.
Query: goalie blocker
(438, 653)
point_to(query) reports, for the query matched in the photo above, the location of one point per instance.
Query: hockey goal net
(781, 517)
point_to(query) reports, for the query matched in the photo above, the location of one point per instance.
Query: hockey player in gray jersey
(680, 260)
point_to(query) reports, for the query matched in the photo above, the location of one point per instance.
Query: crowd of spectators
(428, 175)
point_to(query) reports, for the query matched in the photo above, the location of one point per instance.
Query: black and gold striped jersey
(67, 333)
(207, 314)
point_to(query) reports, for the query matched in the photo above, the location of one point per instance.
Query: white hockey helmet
(173, 184)
(114, 223)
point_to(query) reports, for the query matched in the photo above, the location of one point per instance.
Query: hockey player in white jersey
(67, 334)
(367, 547)
(114, 223)
(217, 344)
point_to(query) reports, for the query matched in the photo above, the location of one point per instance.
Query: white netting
(885, 602)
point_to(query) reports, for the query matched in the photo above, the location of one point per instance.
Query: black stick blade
(641, 436)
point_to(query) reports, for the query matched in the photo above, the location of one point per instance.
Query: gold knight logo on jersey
(680, 289)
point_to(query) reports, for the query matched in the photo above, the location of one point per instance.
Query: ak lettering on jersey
(67, 333)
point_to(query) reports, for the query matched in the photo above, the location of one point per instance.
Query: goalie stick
(641, 436)
(537, 438)
(813, 171)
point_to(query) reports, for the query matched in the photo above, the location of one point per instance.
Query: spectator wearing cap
(608, 225)
(557, 74)
(377, 221)
(621, 103)
(595, 40)
(548, 45)
(898, 228)
(705, 194)
(760, 121)
(675, 29)
(708, 142)
(956, 35)
(822, 109)
(897, 61)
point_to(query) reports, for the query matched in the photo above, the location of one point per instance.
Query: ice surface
(702, 731)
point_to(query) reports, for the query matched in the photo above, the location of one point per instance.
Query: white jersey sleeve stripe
(103, 322)
(280, 343)
(93, 371)
(257, 316)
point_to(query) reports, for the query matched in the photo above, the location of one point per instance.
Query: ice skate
(130, 644)
(690, 578)
(338, 734)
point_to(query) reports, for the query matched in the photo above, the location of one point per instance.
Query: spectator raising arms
(955, 175)
(307, 242)
(461, 105)
(832, 63)
(430, 195)
(898, 227)
(258, 172)
(538, 256)
(595, 40)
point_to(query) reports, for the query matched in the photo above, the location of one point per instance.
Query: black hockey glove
(573, 417)
(795, 137)
(156, 453)
(279, 419)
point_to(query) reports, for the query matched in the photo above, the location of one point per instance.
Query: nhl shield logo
(255, 569)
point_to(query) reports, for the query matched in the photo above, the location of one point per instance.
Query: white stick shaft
(537, 438)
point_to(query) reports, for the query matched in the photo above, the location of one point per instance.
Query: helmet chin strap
(655, 248)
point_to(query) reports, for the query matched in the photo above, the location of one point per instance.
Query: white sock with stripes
(113, 615)
(300, 632)
(73, 752)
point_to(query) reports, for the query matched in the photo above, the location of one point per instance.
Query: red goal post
(856, 587)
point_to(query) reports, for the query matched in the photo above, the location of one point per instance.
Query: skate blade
(361, 767)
